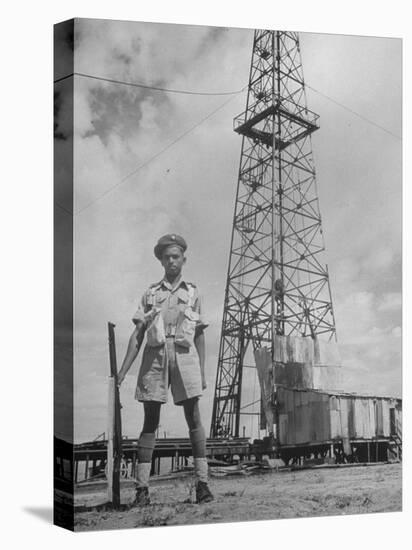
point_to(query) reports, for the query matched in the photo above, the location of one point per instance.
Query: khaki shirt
(166, 312)
(171, 302)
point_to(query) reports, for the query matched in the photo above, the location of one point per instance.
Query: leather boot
(203, 493)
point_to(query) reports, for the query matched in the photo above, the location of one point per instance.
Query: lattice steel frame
(277, 282)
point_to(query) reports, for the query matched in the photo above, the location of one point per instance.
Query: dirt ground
(272, 495)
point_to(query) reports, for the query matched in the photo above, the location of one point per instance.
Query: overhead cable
(354, 112)
(147, 86)
(156, 155)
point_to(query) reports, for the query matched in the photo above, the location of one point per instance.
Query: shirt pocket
(155, 328)
(160, 297)
(186, 327)
(182, 297)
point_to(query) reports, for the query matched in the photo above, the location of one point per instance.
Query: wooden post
(114, 427)
(134, 465)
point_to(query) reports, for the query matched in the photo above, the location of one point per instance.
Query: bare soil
(272, 495)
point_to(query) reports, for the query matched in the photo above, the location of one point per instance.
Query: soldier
(174, 355)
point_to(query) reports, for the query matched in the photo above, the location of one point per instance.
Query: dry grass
(306, 493)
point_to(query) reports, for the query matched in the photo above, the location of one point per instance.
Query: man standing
(174, 355)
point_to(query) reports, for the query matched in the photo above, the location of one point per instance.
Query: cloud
(369, 341)
(190, 189)
(392, 301)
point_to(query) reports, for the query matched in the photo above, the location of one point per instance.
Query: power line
(234, 93)
(156, 155)
(190, 92)
(354, 112)
(147, 86)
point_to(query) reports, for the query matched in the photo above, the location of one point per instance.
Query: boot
(203, 493)
(142, 497)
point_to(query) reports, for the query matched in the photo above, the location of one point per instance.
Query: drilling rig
(277, 289)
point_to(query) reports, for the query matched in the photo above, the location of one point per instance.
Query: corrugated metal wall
(296, 349)
(316, 417)
(303, 417)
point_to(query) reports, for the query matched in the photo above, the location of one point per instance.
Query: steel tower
(277, 282)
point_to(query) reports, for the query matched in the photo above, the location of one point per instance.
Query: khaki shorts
(169, 365)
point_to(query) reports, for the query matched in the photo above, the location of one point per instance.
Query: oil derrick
(277, 283)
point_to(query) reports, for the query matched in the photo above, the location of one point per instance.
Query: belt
(170, 330)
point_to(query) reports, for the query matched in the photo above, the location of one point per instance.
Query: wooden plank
(86, 468)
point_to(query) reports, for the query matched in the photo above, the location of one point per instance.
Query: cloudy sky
(149, 162)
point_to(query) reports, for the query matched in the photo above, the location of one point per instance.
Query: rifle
(114, 430)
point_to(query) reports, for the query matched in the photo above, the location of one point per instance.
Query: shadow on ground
(44, 513)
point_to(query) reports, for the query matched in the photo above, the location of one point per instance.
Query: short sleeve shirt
(171, 301)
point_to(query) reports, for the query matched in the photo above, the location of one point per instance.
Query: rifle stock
(114, 438)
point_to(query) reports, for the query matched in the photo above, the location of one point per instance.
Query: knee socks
(201, 469)
(198, 440)
(144, 457)
(145, 452)
(145, 447)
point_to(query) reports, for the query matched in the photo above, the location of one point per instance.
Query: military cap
(169, 240)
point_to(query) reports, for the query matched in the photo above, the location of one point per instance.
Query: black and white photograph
(227, 274)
